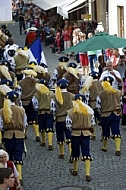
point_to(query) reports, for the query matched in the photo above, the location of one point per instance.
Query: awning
(47, 4)
(64, 9)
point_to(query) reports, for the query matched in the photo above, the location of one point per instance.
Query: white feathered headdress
(87, 84)
(5, 72)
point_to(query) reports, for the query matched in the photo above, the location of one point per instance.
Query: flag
(35, 52)
(5, 10)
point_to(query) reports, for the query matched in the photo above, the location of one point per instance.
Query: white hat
(31, 29)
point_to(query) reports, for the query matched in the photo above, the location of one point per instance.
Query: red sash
(10, 165)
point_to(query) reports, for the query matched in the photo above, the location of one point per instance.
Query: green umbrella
(99, 41)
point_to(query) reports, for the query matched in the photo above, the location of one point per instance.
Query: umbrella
(99, 41)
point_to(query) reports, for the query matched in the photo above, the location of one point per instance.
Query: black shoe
(50, 147)
(74, 173)
(88, 178)
(61, 156)
(37, 139)
(103, 149)
(42, 144)
(117, 153)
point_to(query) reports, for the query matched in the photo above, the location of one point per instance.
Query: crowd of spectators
(55, 31)
(61, 34)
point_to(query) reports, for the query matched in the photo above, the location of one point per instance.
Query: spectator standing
(102, 64)
(66, 33)
(112, 73)
(121, 68)
(109, 53)
(4, 159)
(27, 20)
(36, 22)
(6, 178)
(92, 56)
(21, 19)
(83, 56)
(58, 40)
(115, 57)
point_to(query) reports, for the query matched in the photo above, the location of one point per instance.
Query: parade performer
(109, 104)
(59, 70)
(31, 36)
(21, 62)
(27, 85)
(40, 70)
(61, 103)
(3, 40)
(4, 88)
(79, 120)
(5, 70)
(11, 51)
(74, 78)
(45, 117)
(124, 101)
(90, 90)
(13, 121)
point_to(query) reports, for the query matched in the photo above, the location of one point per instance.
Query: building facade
(117, 17)
(113, 16)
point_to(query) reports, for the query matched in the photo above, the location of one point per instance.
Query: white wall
(5, 10)
(113, 16)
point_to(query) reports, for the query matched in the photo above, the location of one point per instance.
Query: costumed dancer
(59, 70)
(5, 86)
(61, 103)
(13, 120)
(3, 40)
(45, 116)
(21, 62)
(27, 86)
(40, 70)
(74, 78)
(31, 35)
(5, 71)
(79, 120)
(109, 104)
(10, 52)
(90, 90)
(124, 101)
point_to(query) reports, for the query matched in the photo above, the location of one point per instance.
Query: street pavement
(42, 170)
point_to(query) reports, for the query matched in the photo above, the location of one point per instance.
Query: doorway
(120, 10)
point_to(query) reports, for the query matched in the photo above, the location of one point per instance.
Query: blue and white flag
(35, 52)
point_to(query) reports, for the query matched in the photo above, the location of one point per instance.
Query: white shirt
(107, 73)
(8, 57)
